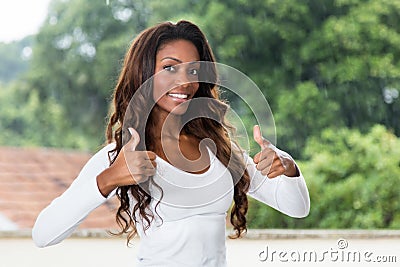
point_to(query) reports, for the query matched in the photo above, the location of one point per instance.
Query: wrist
(293, 171)
(105, 182)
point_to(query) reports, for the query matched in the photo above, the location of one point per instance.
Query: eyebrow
(178, 60)
(175, 59)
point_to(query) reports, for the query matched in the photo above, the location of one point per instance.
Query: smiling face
(176, 76)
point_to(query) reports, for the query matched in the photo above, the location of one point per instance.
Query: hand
(271, 161)
(140, 164)
(130, 167)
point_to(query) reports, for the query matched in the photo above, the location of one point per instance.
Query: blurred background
(329, 69)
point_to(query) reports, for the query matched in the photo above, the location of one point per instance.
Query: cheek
(194, 88)
(161, 85)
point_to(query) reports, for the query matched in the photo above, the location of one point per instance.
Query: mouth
(179, 96)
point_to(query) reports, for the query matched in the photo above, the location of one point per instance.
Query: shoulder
(241, 152)
(102, 157)
(105, 150)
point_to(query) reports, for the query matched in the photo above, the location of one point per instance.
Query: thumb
(135, 139)
(258, 137)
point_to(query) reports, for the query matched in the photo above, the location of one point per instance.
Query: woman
(159, 167)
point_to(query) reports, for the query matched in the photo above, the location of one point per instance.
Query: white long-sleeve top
(190, 229)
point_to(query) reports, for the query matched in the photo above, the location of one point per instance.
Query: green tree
(27, 120)
(263, 40)
(15, 58)
(77, 56)
(353, 59)
(329, 70)
(347, 49)
(358, 173)
(342, 51)
(302, 115)
(352, 182)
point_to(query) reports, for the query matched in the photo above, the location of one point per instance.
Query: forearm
(58, 220)
(289, 195)
(61, 217)
(104, 182)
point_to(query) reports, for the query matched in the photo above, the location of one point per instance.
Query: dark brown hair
(138, 67)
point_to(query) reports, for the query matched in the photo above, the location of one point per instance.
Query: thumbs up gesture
(140, 164)
(130, 167)
(271, 161)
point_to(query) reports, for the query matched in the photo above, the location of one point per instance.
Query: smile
(179, 96)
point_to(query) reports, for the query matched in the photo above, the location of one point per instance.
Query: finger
(259, 138)
(264, 165)
(276, 173)
(143, 156)
(257, 157)
(141, 165)
(143, 171)
(276, 169)
(140, 178)
(151, 165)
(135, 139)
(268, 154)
(151, 155)
(272, 175)
(154, 164)
(149, 172)
(269, 165)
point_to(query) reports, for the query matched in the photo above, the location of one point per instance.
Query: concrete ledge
(252, 234)
(262, 234)
(80, 233)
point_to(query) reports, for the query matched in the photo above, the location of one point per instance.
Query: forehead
(183, 50)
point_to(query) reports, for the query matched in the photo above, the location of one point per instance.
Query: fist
(129, 168)
(271, 161)
(134, 166)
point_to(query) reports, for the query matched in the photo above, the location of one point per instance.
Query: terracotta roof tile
(30, 178)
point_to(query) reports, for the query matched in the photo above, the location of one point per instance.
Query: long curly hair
(139, 67)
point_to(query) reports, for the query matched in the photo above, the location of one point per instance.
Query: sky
(19, 18)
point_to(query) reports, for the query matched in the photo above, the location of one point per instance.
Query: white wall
(21, 252)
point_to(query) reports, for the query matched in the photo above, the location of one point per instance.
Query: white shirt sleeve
(64, 214)
(288, 195)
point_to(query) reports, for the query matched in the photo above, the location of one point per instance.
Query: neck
(166, 125)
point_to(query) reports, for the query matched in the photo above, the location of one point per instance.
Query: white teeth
(181, 96)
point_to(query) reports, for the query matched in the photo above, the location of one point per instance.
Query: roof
(30, 178)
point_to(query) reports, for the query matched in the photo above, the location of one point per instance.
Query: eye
(194, 72)
(169, 68)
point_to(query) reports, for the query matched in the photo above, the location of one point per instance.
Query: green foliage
(14, 59)
(27, 120)
(363, 187)
(301, 115)
(346, 49)
(77, 56)
(318, 64)
(352, 180)
(353, 56)
(328, 69)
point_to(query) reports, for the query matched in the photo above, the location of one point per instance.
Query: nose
(182, 79)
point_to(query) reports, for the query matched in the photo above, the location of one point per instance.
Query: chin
(180, 109)
(177, 110)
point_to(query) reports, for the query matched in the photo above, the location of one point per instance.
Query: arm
(96, 182)
(64, 214)
(288, 195)
(276, 179)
